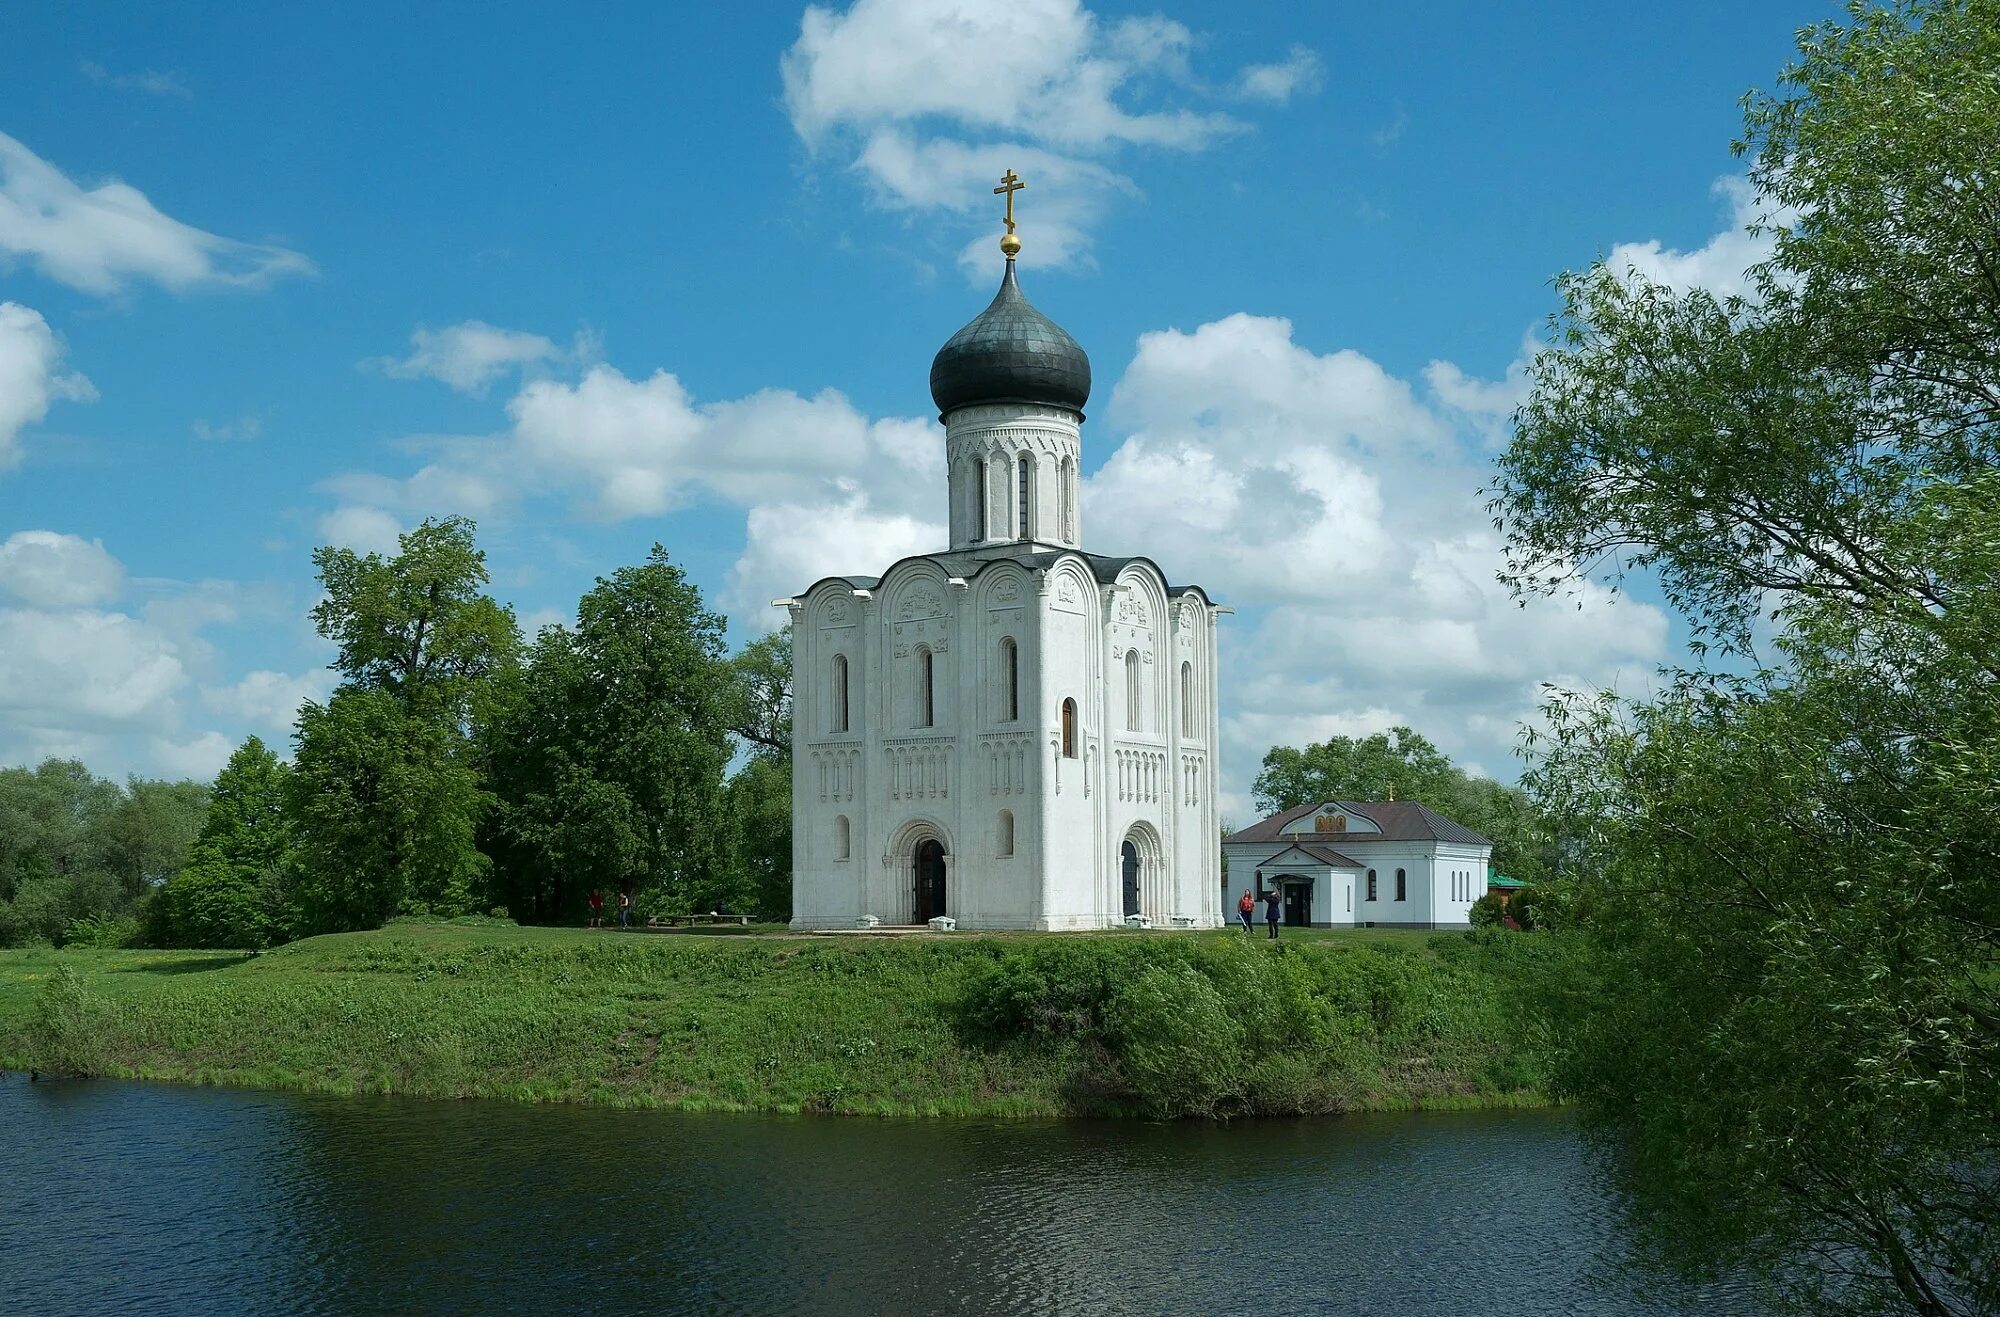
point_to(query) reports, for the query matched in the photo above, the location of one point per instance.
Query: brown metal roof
(1399, 820)
(1317, 854)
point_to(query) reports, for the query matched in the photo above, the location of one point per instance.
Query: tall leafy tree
(387, 797)
(608, 755)
(758, 799)
(764, 685)
(54, 857)
(234, 889)
(1786, 1006)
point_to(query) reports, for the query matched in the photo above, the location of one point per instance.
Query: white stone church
(1013, 733)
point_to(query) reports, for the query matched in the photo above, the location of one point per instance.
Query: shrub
(62, 1028)
(1487, 911)
(102, 932)
(1180, 1045)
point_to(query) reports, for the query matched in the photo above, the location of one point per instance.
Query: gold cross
(1010, 183)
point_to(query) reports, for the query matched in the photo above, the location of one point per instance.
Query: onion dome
(1010, 353)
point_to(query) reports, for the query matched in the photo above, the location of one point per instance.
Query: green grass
(1369, 1019)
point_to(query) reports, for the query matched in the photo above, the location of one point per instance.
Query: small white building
(1013, 733)
(1361, 863)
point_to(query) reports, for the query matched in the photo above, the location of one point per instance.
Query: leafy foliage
(1786, 874)
(236, 890)
(79, 856)
(387, 799)
(608, 755)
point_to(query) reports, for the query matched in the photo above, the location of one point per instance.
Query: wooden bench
(674, 921)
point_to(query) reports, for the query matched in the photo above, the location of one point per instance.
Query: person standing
(625, 909)
(596, 908)
(1245, 908)
(1271, 899)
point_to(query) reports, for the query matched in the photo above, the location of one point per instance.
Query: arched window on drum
(1010, 680)
(1132, 692)
(926, 692)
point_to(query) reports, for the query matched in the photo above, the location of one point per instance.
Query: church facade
(1013, 733)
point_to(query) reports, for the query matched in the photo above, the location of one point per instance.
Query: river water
(119, 1197)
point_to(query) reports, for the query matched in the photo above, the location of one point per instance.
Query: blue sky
(1302, 244)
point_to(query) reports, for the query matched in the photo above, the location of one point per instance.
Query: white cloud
(77, 665)
(30, 376)
(150, 81)
(364, 530)
(1487, 406)
(111, 686)
(47, 569)
(1301, 72)
(642, 447)
(932, 99)
(1338, 508)
(468, 356)
(98, 239)
(242, 429)
(201, 756)
(790, 546)
(1720, 264)
(267, 699)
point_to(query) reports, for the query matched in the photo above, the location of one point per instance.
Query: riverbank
(1004, 1025)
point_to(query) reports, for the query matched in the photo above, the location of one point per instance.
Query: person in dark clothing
(625, 909)
(1271, 899)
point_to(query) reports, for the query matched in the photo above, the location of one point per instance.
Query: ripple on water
(139, 1198)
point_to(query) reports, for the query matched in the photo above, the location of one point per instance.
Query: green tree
(387, 797)
(764, 684)
(608, 754)
(235, 889)
(148, 835)
(757, 804)
(1784, 874)
(75, 848)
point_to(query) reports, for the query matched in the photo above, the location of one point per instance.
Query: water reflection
(127, 1198)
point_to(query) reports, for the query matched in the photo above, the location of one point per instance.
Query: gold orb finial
(1010, 183)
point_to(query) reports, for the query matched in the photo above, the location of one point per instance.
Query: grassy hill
(993, 1025)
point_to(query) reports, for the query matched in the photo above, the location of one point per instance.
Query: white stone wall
(897, 782)
(999, 440)
(1432, 899)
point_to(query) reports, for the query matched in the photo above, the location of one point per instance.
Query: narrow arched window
(1010, 679)
(1402, 888)
(842, 838)
(1371, 884)
(1187, 700)
(926, 687)
(839, 719)
(1069, 729)
(1132, 690)
(1027, 530)
(1069, 500)
(984, 512)
(1004, 846)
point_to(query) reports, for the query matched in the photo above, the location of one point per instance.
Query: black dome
(1010, 353)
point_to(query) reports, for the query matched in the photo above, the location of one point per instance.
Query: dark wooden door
(1298, 903)
(1128, 856)
(929, 878)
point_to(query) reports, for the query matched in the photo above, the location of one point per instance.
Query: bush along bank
(1153, 1026)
